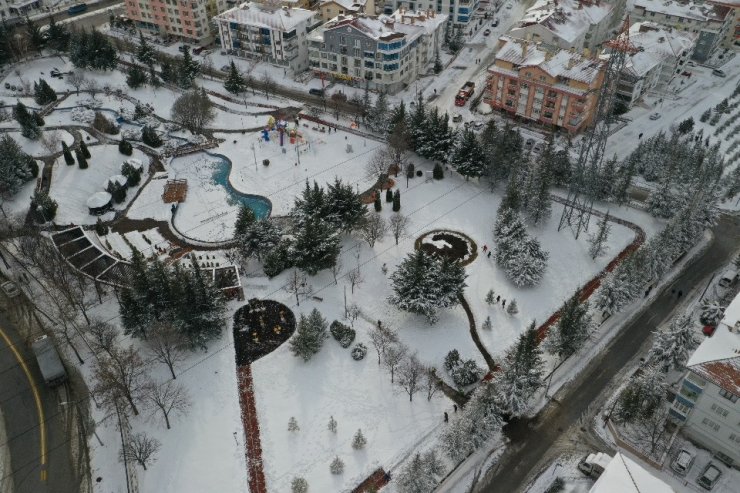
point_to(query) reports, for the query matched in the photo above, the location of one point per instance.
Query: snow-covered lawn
(37, 148)
(72, 186)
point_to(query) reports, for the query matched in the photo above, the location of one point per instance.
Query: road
(40, 464)
(85, 18)
(532, 438)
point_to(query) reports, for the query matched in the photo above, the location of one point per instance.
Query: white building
(707, 401)
(18, 9)
(623, 475)
(387, 52)
(273, 34)
(709, 21)
(577, 24)
(662, 57)
(460, 13)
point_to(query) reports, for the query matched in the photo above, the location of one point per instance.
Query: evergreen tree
(43, 207)
(538, 193)
(244, 219)
(417, 126)
(671, 347)
(468, 157)
(487, 324)
(293, 424)
(444, 139)
(43, 94)
(336, 466)
(299, 485)
(417, 476)
(316, 246)
(572, 328)
(144, 52)
(397, 201)
(342, 206)
(524, 261)
(150, 137)
(512, 308)
(479, 420)
(423, 284)
(438, 67)
(597, 246)
(389, 195)
(234, 81)
(16, 167)
(686, 125)
(187, 69)
(124, 147)
(513, 196)
(136, 77)
(438, 172)
(309, 336)
(203, 320)
(168, 73)
(311, 204)
(711, 312)
(57, 36)
(377, 203)
(378, 118)
(258, 238)
(92, 50)
(522, 374)
(332, 426)
(85, 151)
(27, 121)
(359, 441)
(35, 36)
(81, 161)
(490, 299)
(642, 397)
(67, 154)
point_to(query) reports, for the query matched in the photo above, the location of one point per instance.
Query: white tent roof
(98, 199)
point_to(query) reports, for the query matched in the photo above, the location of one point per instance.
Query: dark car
(316, 92)
(486, 32)
(494, 23)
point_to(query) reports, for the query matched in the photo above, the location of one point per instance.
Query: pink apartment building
(554, 87)
(186, 20)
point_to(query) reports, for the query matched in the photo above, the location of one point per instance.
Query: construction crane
(578, 208)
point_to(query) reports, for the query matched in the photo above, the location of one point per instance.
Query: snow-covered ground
(38, 148)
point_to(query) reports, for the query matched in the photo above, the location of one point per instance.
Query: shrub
(410, 170)
(438, 172)
(81, 161)
(389, 195)
(299, 485)
(359, 351)
(343, 334)
(84, 149)
(118, 192)
(100, 228)
(419, 173)
(463, 373)
(133, 175)
(67, 154)
(103, 124)
(378, 204)
(33, 167)
(556, 486)
(336, 466)
(125, 147)
(43, 207)
(705, 116)
(278, 259)
(150, 137)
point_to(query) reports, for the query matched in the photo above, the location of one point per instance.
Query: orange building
(545, 84)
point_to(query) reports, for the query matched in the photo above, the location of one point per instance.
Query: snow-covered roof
(685, 9)
(350, 5)
(136, 163)
(271, 17)
(656, 43)
(400, 24)
(567, 19)
(120, 179)
(623, 475)
(554, 61)
(717, 358)
(98, 199)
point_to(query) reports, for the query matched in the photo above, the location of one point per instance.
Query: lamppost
(255, 157)
(298, 153)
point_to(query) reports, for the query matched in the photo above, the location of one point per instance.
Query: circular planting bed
(450, 244)
(260, 327)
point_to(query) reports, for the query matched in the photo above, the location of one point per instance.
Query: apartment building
(567, 24)
(460, 13)
(269, 33)
(18, 9)
(711, 22)
(662, 57)
(387, 52)
(544, 84)
(332, 8)
(185, 20)
(732, 38)
(706, 404)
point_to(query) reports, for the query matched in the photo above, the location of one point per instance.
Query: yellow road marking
(36, 397)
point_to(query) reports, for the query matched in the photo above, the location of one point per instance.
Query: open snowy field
(37, 148)
(72, 186)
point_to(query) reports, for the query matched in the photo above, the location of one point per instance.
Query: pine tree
(332, 426)
(522, 374)
(671, 347)
(125, 148)
(316, 246)
(293, 424)
(336, 466)
(526, 262)
(479, 420)
(81, 161)
(538, 193)
(415, 477)
(16, 167)
(168, 72)
(642, 397)
(512, 308)
(234, 81)
(490, 298)
(359, 441)
(438, 172)
(68, 159)
(487, 325)
(342, 207)
(43, 93)
(597, 246)
(258, 238)
(187, 69)
(711, 312)
(310, 205)
(309, 336)
(377, 203)
(615, 292)
(29, 126)
(299, 485)
(389, 195)
(468, 157)
(58, 36)
(136, 77)
(378, 119)
(150, 137)
(572, 329)
(144, 52)
(416, 125)
(244, 218)
(397, 201)
(85, 151)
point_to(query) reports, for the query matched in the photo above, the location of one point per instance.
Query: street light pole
(255, 157)
(298, 153)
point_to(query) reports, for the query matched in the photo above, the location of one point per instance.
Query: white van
(683, 461)
(727, 277)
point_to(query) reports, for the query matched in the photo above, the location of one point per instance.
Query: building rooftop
(567, 19)
(656, 43)
(401, 23)
(717, 358)
(352, 5)
(623, 475)
(686, 9)
(267, 16)
(554, 61)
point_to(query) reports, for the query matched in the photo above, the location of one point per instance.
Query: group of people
(486, 249)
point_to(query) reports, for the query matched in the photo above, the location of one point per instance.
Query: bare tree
(299, 286)
(393, 357)
(398, 224)
(141, 449)
(336, 269)
(76, 80)
(51, 140)
(373, 229)
(167, 344)
(193, 110)
(268, 84)
(410, 374)
(353, 312)
(121, 375)
(379, 163)
(92, 86)
(431, 382)
(66, 317)
(355, 278)
(381, 338)
(399, 141)
(168, 399)
(102, 336)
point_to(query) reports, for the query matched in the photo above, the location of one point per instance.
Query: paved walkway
(251, 430)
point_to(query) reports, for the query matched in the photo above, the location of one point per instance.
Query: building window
(710, 424)
(719, 410)
(342, 40)
(547, 114)
(734, 437)
(681, 407)
(728, 395)
(358, 43)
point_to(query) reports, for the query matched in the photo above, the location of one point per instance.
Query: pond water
(261, 206)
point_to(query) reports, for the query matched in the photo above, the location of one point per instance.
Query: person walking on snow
(503, 304)
(485, 247)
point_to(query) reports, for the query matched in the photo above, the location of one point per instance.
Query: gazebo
(99, 203)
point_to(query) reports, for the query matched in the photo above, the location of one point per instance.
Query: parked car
(478, 125)
(594, 464)
(528, 144)
(456, 118)
(508, 6)
(683, 461)
(538, 148)
(316, 92)
(691, 63)
(7, 85)
(182, 48)
(486, 32)
(727, 278)
(494, 23)
(655, 116)
(719, 73)
(10, 289)
(225, 68)
(709, 477)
